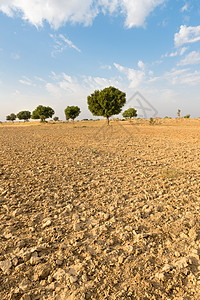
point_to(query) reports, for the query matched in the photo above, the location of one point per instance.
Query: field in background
(157, 121)
(89, 211)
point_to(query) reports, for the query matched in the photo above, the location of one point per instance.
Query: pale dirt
(95, 212)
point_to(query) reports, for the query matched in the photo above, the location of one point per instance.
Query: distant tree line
(41, 112)
(105, 103)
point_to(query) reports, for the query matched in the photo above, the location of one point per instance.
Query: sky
(57, 52)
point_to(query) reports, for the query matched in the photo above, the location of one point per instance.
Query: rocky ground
(95, 212)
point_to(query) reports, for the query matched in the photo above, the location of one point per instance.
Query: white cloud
(5, 8)
(192, 58)
(185, 7)
(187, 35)
(141, 65)
(153, 79)
(136, 77)
(191, 78)
(54, 76)
(174, 75)
(55, 12)
(137, 11)
(173, 54)
(94, 83)
(106, 67)
(78, 86)
(69, 43)
(62, 43)
(183, 77)
(53, 89)
(183, 50)
(176, 53)
(39, 79)
(58, 12)
(26, 81)
(108, 5)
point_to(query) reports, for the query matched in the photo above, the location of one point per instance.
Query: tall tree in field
(24, 115)
(72, 112)
(42, 113)
(107, 102)
(130, 113)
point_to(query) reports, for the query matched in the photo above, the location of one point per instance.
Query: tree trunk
(108, 121)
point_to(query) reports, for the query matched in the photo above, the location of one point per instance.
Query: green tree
(107, 102)
(42, 113)
(56, 119)
(12, 117)
(72, 112)
(130, 113)
(24, 115)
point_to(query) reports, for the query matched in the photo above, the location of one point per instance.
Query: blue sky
(57, 52)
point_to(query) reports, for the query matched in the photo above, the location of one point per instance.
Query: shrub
(151, 121)
(130, 113)
(187, 116)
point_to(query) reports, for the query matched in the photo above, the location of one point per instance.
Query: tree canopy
(106, 102)
(42, 113)
(130, 113)
(72, 112)
(24, 115)
(11, 117)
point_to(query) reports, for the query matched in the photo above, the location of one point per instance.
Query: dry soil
(89, 211)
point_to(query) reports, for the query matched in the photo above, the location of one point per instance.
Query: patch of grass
(171, 173)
